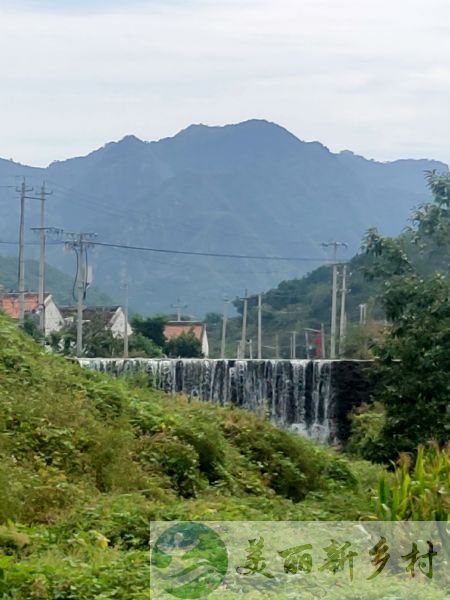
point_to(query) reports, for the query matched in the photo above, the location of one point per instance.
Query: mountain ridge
(247, 188)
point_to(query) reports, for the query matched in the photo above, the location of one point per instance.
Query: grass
(87, 461)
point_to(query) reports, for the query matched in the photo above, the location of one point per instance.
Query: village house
(9, 304)
(175, 328)
(111, 318)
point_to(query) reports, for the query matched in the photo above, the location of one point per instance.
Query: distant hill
(251, 188)
(59, 284)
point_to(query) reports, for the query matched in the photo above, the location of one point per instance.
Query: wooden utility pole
(224, 328)
(259, 351)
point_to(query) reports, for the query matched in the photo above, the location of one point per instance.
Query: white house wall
(118, 324)
(53, 319)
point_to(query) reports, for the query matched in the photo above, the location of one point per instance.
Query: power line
(210, 254)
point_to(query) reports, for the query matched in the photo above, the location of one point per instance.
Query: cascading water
(300, 395)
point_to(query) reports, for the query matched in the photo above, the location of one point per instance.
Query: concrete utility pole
(335, 246)
(224, 327)
(250, 349)
(23, 190)
(244, 325)
(79, 243)
(44, 232)
(293, 344)
(179, 307)
(322, 337)
(343, 319)
(362, 314)
(42, 239)
(125, 310)
(259, 351)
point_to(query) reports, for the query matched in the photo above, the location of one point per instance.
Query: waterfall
(305, 396)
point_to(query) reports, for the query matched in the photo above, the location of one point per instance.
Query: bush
(419, 489)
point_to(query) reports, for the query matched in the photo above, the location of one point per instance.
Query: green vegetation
(185, 345)
(419, 490)
(412, 357)
(86, 461)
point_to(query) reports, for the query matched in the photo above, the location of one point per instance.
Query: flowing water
(300, 395)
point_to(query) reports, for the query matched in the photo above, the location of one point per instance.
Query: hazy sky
(372, 76)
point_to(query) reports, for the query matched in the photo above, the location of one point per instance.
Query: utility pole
(362, 314)
(23, 190)
(307, 343)
(335, 246)
(179, 307)
(259, 327)
(244, 324)
(293, 344)
(322, 337)
(79, 243)
(250, 349)
(224, 327)
(42, 239)
(277, 346)
(343, 323)
(44, 232)
(125, 310)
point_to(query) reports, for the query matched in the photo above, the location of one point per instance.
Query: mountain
(251, 188)
(58, 283)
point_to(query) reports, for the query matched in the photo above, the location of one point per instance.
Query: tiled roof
(9, 303)
(175, 328)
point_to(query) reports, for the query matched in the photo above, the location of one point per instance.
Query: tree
(185, 345)
(414, 355)
(151, 328)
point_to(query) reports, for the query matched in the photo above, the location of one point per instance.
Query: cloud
(372, 77)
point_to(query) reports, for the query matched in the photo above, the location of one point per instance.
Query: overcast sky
(372, 76)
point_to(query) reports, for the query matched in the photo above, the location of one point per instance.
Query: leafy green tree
(185, 345)
(139, 345)
(31, 327)
(414, 355)
(151, 328)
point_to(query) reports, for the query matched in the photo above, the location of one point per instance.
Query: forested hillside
(58, 283)
(250, 189)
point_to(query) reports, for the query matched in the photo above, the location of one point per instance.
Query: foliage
(419, 489)
(139, 345)
(86, 461)
(31, 327)
(367, 424)
(151, 328)
(414, 372)
(185, 345)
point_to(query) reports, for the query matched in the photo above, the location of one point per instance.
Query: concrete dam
(311, 397)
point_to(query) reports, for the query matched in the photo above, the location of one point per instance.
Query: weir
(311, 397)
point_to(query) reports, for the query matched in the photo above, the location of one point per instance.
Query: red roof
(9, 304)
(175, 328)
